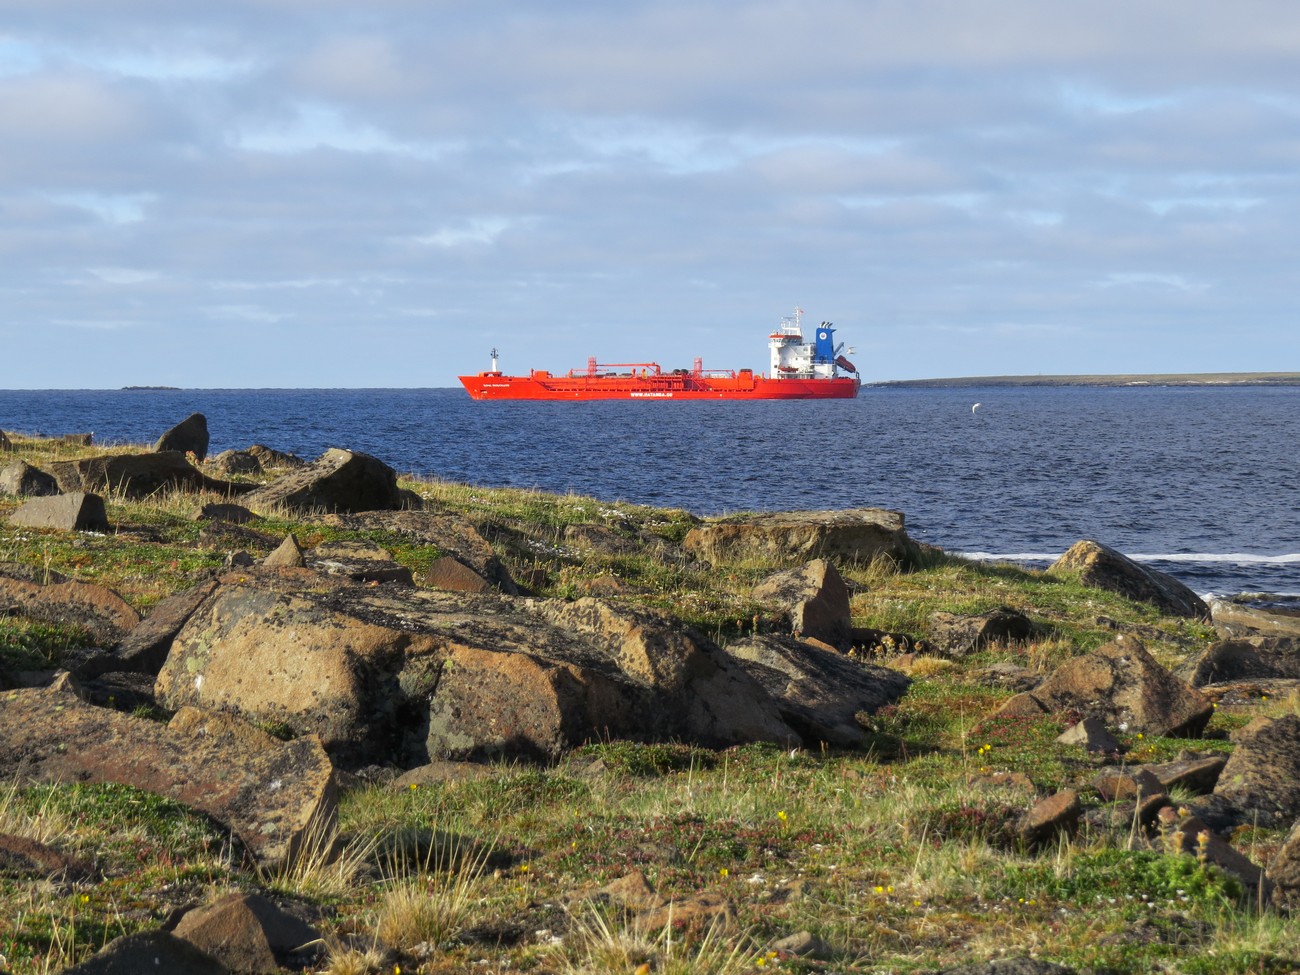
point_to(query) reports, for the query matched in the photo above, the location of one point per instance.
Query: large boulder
(1102, 567)
(1122, 685)
(269, 793)
(137, 475)
(386, 674)
(76, 511)
(1262, 777)
(820, 693)
(190, 436)
(21, 478)
(815, 598)
(860, 535)
(339, 480)
(102, 613)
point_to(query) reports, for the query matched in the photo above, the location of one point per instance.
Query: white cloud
(124, 275)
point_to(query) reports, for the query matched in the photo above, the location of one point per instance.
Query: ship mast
(494, 361)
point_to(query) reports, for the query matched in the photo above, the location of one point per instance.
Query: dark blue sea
(1202, 483)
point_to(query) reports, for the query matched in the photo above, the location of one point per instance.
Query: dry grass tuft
(602, 942)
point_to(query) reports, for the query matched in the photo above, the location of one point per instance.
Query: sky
(311, 193)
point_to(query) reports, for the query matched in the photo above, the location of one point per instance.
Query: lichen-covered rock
(1262, 777)
(860, 536)
(1103, 567)
(815, 598)
(1122, 685)
(408, 675)
(339, 480)
(267, 792)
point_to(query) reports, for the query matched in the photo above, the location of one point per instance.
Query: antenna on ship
(494, 361)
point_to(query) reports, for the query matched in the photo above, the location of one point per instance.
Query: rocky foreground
(264, 690)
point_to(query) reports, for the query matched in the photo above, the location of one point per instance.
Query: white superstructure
(792, 358)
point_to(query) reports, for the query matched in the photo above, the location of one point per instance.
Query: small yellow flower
(879, 889)
(781, 816)
(1140, 736)
(724, 873)
(413, 786)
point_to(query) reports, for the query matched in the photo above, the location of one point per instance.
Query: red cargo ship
(799, 371)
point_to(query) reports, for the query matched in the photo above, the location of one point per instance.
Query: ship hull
(494, 386)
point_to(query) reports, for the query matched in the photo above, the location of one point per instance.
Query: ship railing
(601, 369)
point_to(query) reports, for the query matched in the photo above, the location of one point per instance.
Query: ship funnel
(824, 347)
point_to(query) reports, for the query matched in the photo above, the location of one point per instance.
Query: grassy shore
(899, 858)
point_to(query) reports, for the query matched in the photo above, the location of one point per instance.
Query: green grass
(901, 857)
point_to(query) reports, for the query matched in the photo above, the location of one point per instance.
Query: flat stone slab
(75, 511)
(105, 615)
(858, 535)
(268, 792)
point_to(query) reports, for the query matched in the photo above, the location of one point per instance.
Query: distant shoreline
(1215, 379)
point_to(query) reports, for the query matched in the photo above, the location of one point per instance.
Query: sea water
(1199, 482)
